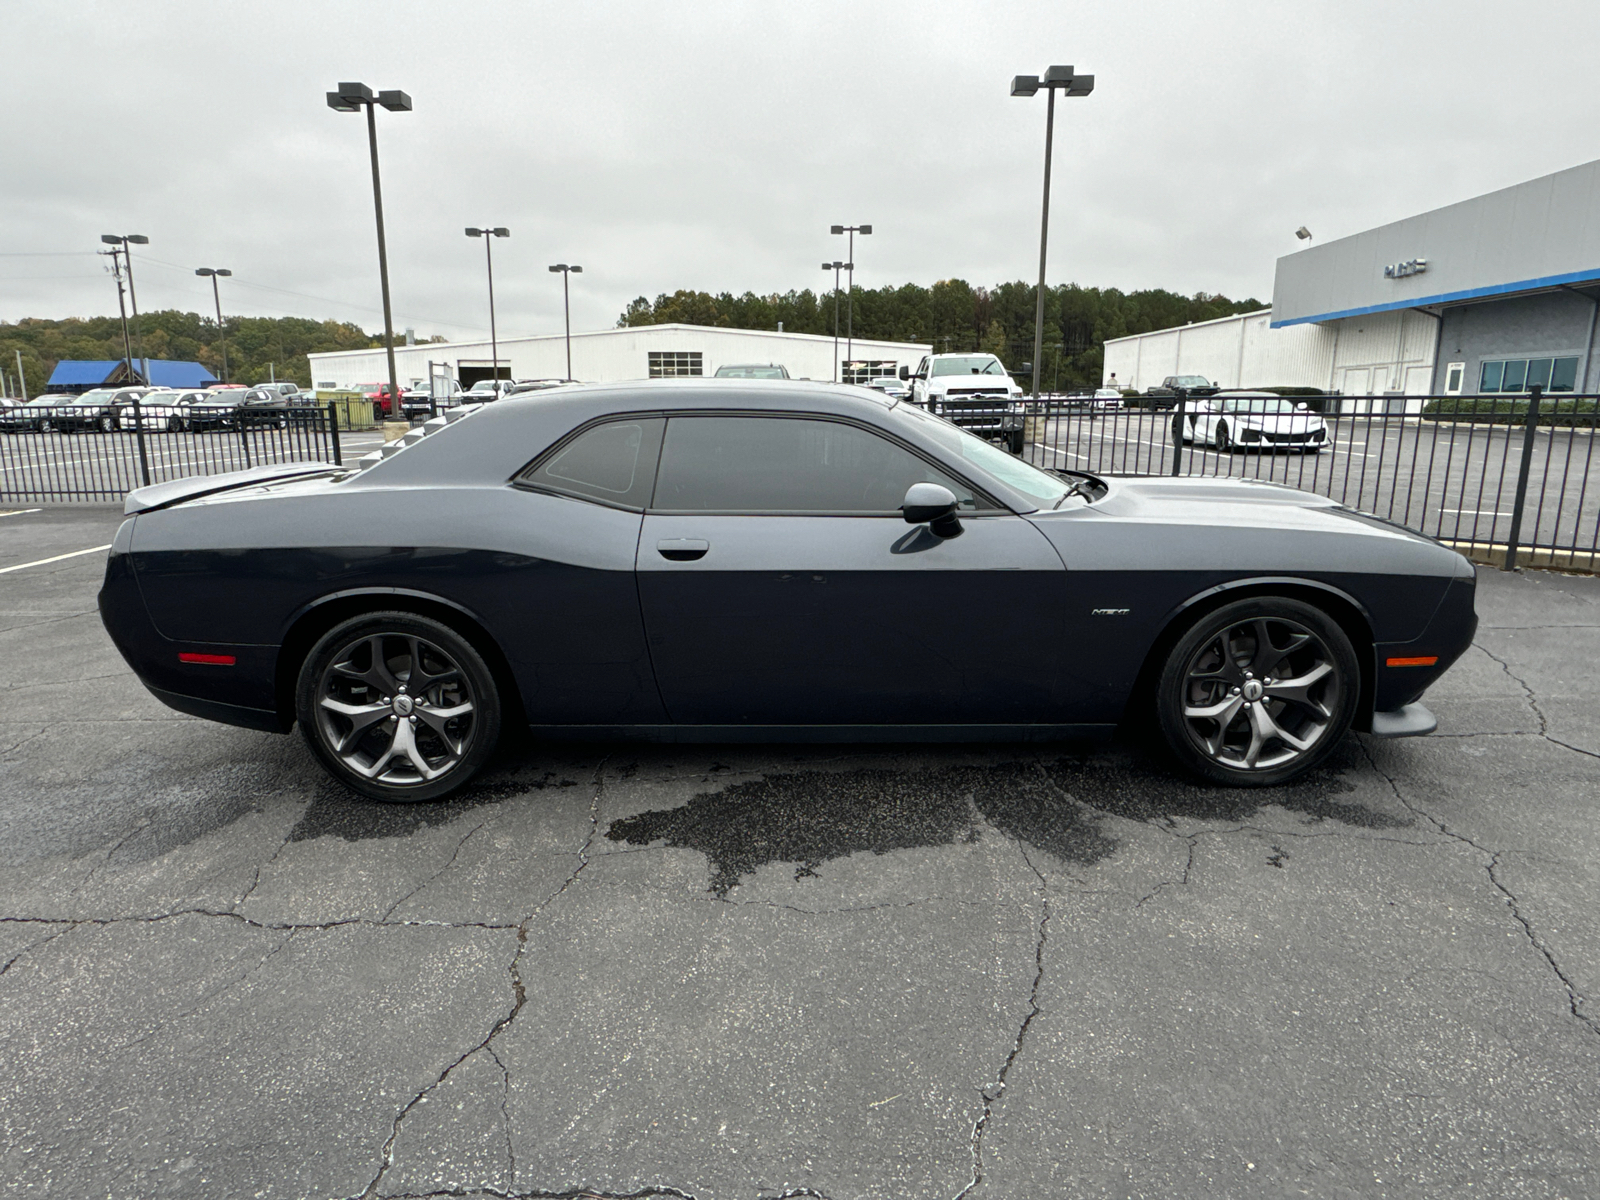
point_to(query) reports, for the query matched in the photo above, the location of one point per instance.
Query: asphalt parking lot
(777, 971)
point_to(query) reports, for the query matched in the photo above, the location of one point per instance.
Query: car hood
(1275, 422)
(1237, 525)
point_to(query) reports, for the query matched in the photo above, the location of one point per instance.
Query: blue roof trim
(1499, 289)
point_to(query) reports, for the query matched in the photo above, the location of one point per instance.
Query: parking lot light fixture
(1054, 79)
(850, 272)
(488, 235)
(222, 332)
(566, 304)
(835, 266)
(354, 97)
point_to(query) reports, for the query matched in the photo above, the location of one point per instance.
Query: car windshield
(1257, 404)
(1046, 490)
(967, 364)
(1190, 381)
(48, 401)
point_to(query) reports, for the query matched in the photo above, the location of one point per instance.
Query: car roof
(492, 442)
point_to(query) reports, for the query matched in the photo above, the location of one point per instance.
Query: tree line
(257, 346)
(953, 315)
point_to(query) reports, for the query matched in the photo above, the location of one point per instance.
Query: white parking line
(18, 512)
(44, 561)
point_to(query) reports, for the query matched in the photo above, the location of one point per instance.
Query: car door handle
(683, 549)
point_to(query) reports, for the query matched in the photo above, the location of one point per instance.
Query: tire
(1220, 439)
(1223, 723)
(47, 426)
(174, 424)
(106, 423)
(1179, 433)
(351, 701)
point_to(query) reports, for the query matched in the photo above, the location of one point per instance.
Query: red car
(380, 396)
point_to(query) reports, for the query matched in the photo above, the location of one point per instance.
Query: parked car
(157, 410)
(1263, 621)
(1165, 393)
(283, 387)
(486, 390)
(210, 409)
(98, 408)
(973, 391)
(380, 396)
(421, 401)
(890, 386)
(1246, 420)
(752, 371)
(29, 417)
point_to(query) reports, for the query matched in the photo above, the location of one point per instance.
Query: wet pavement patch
(354, 818)
(810, 817)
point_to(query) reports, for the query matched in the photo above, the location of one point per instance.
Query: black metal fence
(1500, 476)
(72, 453)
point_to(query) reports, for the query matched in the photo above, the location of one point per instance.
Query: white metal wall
(611, 355)
(1359, 356)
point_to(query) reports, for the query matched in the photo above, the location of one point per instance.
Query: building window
(1517, 375)
(674, 362)
(861, 370)
(1452, 379)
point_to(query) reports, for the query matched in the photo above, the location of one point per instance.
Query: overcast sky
(711, 144)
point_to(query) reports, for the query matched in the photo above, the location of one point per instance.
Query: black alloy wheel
(1220, 438)
(1258, 692)
(107, 423)
(398, 707)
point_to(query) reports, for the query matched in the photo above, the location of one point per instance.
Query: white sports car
(1258, 420)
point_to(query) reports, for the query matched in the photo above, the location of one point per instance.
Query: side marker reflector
(209, 660)
(1425, 661)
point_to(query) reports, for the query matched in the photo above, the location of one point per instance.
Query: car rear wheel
(107, 423)
(1258, 691)
(1223, 443)
(398, 707)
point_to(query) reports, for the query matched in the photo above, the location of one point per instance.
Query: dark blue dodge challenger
(718, 560)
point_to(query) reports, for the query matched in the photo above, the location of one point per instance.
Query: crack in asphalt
(1533, 704)
(450, 862)
(993, 1093)
(261, 867)
(1575, 998)
(580, 1194)
(1188, 866)
(70, 926)
(519, 998)
(505, 1116)
(276, 926)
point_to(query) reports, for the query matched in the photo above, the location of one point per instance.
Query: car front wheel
(1258, 691)
(107, 423)
(1223, 443)
(398, 707)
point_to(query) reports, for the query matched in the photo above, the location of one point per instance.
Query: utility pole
(22, 380)
(850, 302)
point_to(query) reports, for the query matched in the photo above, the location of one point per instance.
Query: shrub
(1581, 411)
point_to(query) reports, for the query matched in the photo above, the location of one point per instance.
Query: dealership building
(1484, 297)
(636, 352)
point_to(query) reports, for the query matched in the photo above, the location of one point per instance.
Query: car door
(780, 585)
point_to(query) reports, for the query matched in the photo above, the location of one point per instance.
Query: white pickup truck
(973, 391)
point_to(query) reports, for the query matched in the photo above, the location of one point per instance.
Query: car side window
(614, 463)
(788, 466)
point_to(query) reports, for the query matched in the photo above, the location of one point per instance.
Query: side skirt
(826, 733)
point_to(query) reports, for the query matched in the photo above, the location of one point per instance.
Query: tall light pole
(1027, 85)
(566, 306)
(122, 240)
(122, 307)
(488, 236)
(353, 97)
(216, 295)
(850, 270)
(836, 266)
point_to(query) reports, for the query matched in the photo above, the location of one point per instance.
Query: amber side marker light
(210, 660)
(1426, 661)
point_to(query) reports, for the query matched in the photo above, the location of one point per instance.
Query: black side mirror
(933, 505)
(905, 372)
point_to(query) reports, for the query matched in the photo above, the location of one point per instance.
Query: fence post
(1517, 506)
(333, 432)
(1177, 430)
(243, 422)
(138, 433)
